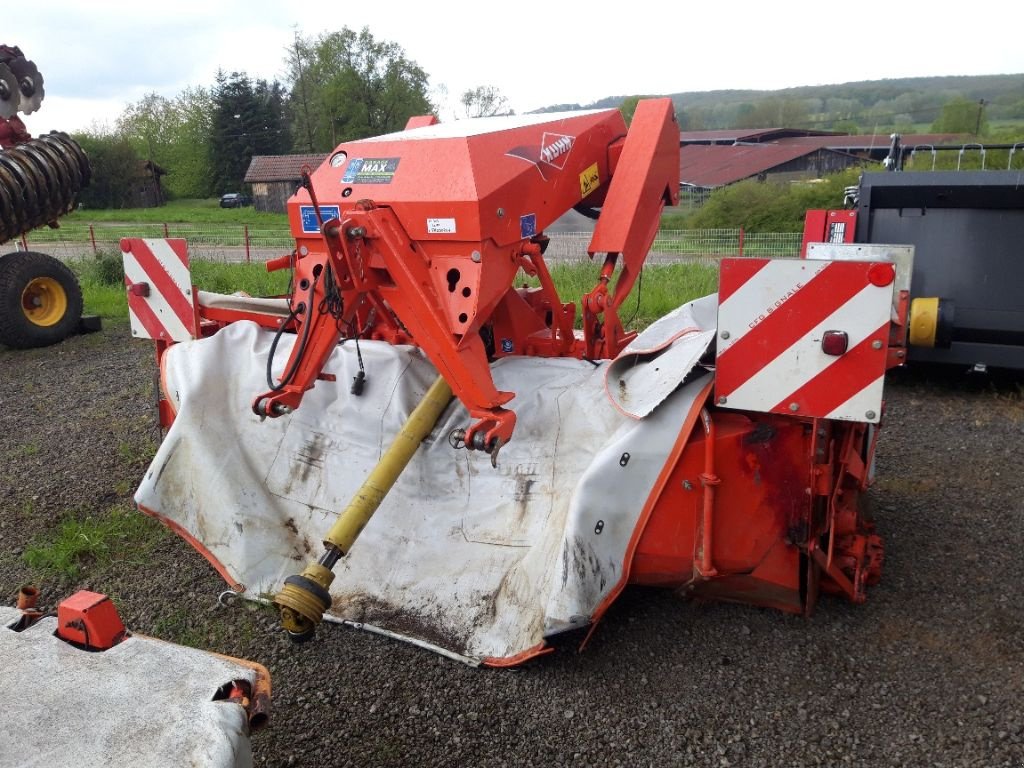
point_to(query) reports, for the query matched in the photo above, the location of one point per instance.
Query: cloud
(113, 51)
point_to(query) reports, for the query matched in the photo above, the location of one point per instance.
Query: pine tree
(248, 119)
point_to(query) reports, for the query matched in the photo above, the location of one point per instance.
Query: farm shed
(147, 191)
(275, 177)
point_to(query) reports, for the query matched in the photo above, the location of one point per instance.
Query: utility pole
(977, 124)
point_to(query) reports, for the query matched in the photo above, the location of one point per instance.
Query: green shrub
(768, 206)
(106, 269)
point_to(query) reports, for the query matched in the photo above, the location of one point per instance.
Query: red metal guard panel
(161, 304)
(773, 318)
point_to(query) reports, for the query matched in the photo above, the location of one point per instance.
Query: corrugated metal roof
(876, 141)
(820, 138)
(715, 165)
(280, 167)
(748, 135)
(710, 165)
(732, 134)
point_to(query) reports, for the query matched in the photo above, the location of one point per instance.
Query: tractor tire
(40, 300)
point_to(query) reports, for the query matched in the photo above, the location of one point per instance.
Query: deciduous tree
(175, 134)
(348, 85)
(484, 101)
(116, 167)
(960, 115)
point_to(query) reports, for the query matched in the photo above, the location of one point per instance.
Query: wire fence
(233, 243)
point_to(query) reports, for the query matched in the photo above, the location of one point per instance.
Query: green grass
(182, 627)
(93, 540)
(104, 293)
(229, 278)
(133, 452)
(107, 301)
(664, 286)
(182, 211)
(24, 451)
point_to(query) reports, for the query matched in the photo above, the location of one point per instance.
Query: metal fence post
(248, 259)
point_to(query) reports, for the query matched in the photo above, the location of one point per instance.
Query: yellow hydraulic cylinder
(932, 322)
(924, 321)
(305, 597)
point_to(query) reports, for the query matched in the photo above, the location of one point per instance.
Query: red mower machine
(510, 461)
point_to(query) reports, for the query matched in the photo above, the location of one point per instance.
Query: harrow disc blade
(10, 93)
(39, 181)
(30, 83)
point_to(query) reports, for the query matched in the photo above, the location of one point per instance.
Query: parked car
(234, 200)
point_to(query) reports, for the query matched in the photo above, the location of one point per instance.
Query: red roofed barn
(711, 159)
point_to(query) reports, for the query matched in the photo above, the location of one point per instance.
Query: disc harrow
(21, 83)
(39, 182)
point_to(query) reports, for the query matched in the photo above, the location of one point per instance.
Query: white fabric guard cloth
(143, 703)
(471, 561)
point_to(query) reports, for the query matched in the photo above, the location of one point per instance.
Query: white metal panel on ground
(479, 562)
(142, 703)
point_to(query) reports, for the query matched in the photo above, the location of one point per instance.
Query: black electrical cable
(332, 303)
(273, 350)
(359, 380)
(290, 374)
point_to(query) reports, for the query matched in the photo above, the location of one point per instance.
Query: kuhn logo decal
(554, 147)
(553, 151)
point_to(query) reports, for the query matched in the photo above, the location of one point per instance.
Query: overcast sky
(98, 56)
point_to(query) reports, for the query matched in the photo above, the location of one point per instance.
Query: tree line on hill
(902, 105)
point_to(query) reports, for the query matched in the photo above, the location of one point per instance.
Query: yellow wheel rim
(44, 301)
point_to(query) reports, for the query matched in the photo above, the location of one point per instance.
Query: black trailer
(967, 229)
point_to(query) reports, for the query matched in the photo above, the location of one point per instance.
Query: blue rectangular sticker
(309, 222)
(528, 225)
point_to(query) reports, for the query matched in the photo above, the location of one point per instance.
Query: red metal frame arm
(316, 338)
(461, 360)
(646, 178)
(561, 321)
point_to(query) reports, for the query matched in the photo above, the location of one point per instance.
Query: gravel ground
(930, 672)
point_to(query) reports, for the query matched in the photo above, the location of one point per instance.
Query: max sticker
(590, 180)
(553, 152)
(370, 170)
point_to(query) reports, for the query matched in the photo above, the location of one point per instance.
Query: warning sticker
(370, 170)
(441, 226)
(590, 180)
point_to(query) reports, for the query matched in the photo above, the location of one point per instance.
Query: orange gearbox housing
(417, 237)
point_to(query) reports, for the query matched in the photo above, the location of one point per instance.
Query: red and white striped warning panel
(161, 304)
(803, 337)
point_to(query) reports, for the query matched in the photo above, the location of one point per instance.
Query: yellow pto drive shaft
(304, 598)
